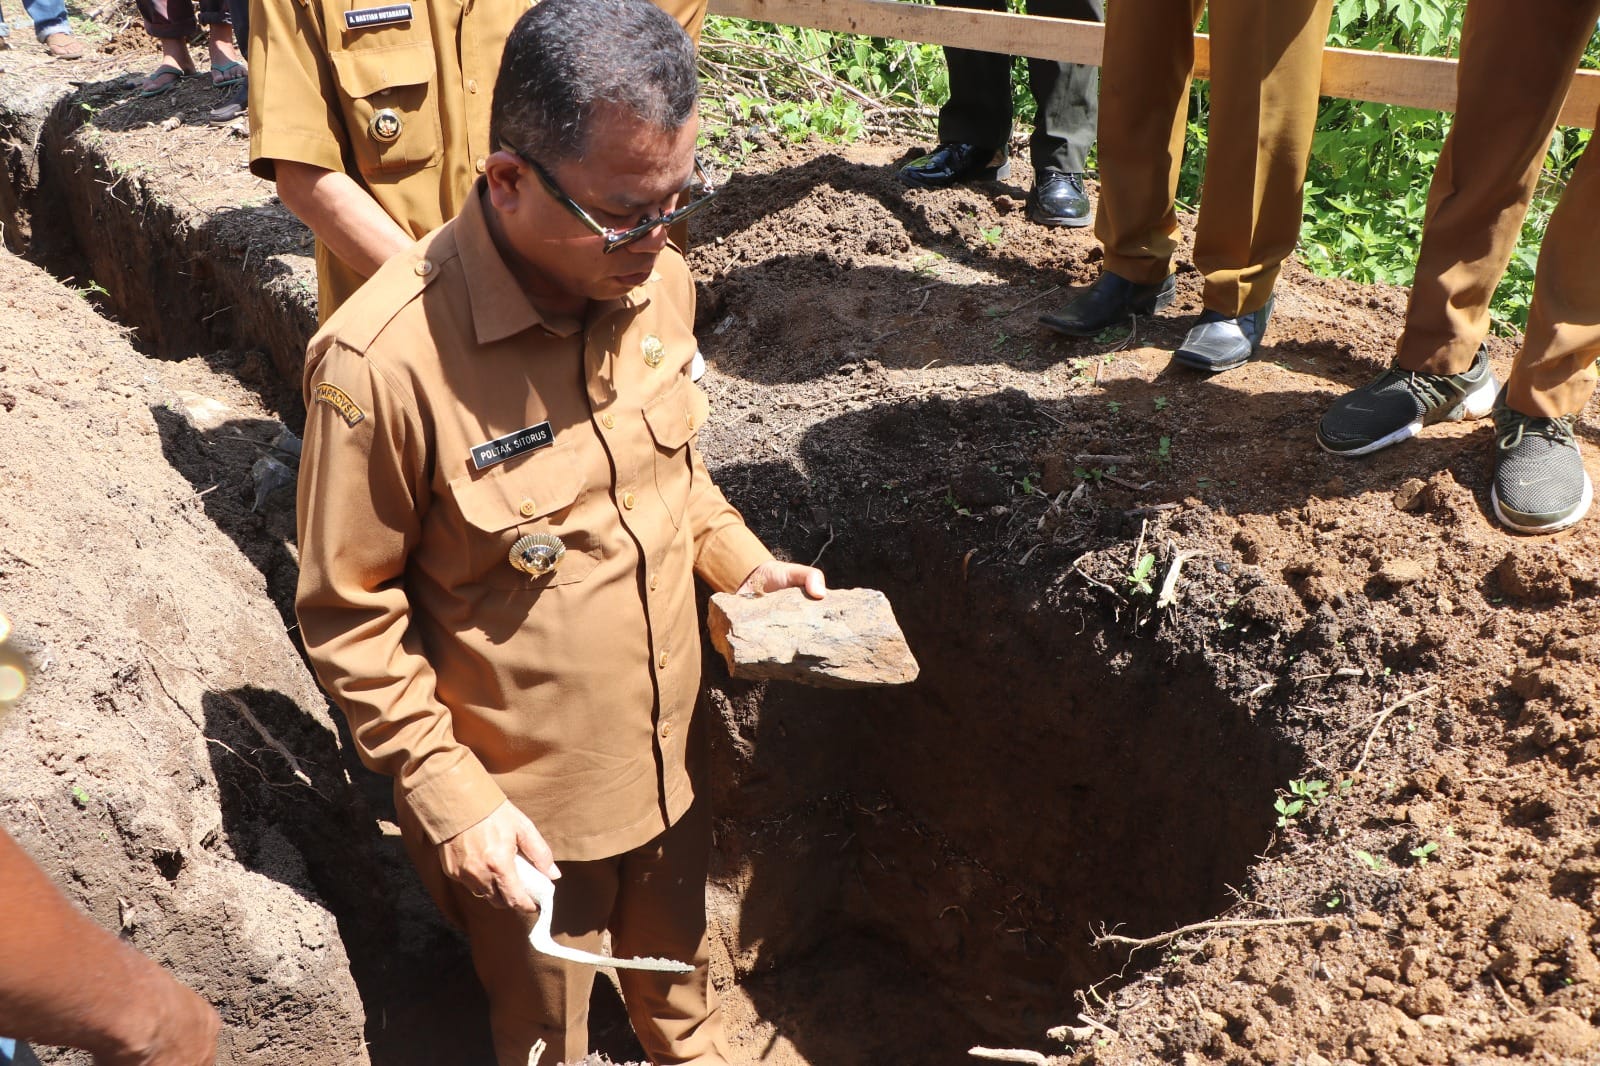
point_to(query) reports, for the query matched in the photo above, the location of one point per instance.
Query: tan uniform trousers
(1517, 61)
(652, 899)
(1266, 63)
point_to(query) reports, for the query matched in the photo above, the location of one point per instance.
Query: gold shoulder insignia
(335, 397)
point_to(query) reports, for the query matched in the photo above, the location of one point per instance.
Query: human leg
(975, 122)
(1144, 92)
(1517, 61)
(1266, 70)
(661, 911)
(171, 23)
(1066, 100)
(1516, 65)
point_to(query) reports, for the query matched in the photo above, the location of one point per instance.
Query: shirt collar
(500, 307)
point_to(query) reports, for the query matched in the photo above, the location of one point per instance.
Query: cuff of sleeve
(727, 558)
(457, 799)
(314, 149)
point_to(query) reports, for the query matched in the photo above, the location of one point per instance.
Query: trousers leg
(979, 108)
(661, 911)
(691, 14)
(1066, 97)
(1517, 60)
(1266, 73)
(168, 19)
(1554, 373)
(532, 996)
(1144, 92)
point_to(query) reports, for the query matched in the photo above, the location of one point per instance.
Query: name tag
(364, 18)
(512, 445)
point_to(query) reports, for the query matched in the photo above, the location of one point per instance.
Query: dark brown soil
(902, 877)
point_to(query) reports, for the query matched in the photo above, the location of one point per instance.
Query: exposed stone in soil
(899, 875)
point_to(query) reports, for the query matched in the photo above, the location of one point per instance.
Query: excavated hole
(913, 871)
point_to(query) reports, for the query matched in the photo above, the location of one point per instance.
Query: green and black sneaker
(1397, 404)
(1540, 484)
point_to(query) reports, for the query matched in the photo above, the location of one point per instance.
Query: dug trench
(1143, 603)
(899, 875)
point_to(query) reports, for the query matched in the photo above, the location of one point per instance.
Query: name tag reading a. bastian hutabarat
(366, 18)
(512, 445)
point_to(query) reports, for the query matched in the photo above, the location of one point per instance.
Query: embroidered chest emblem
(654, 350)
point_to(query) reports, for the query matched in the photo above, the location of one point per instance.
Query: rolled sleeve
(362, 489)
(288, 60)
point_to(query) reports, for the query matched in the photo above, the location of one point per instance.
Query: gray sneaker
(1540, 484)
(1397, 404)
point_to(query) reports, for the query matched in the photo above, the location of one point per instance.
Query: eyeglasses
(701, 188)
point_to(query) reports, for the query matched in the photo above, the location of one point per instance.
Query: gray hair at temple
(567, 59)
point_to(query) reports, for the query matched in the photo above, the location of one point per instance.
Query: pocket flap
(677, 414)
(365, 71)
(535, 487)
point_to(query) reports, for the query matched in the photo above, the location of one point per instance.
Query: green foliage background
(1367, 185)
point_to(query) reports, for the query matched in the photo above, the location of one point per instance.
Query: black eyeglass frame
(615, 240)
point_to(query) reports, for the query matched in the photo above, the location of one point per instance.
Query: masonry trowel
(544, 891)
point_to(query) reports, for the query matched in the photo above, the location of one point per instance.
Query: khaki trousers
(691, 15)
(1517, 61)
(1266, 61)
(652, 899)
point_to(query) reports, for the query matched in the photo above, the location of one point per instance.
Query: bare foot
(227, 65)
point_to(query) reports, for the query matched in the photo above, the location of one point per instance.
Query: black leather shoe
(1110, 301)
(950, 164)
(1059, 199)
(237, 103)
(1220, 343)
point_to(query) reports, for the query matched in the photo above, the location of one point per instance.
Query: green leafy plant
(954, 504)
(1424, 853)
(1291, 804)
(991, 236)
(1161, 403)
(1164, 450)
(1372, 862)
(1139, 577)
(80, 797)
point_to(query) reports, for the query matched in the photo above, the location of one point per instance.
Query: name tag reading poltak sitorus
(512, 445)
(365, 18)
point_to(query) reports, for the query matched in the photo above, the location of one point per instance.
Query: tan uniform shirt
(401, 105)
(463, 677)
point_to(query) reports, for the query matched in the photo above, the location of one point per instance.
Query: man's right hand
(183, 1027)
(483, 856)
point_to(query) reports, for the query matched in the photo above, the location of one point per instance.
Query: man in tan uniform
(1517, 62)
(373, 118)
(1266, 66)
(502, 510)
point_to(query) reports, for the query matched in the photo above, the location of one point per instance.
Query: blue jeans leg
(49, 16)
(14, 1054)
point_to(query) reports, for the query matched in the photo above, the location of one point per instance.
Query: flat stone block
(849, 639)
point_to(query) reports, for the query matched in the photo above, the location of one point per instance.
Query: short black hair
(567, 58)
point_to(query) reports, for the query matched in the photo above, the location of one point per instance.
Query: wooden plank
(1379, 77)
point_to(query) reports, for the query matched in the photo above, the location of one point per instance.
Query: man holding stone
(502, 510)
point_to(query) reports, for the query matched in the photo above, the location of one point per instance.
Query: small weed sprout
(991, 236)
(1164, 450)
(1424, 853)
(954, 504)
(1372, 862)
(1162, 403)
(1139, 577)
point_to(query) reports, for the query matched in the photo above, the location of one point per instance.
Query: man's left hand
(770, 577)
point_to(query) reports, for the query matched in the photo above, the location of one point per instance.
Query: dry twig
(1383, 716)
(1198, 927)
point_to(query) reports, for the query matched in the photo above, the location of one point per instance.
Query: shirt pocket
(674, 418)
(538, 494)
(390, 103)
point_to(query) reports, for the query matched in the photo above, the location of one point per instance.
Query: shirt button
(661, 660)
(472, 85)
(482, 164)
(423, 268)
(689, 419)
(666, 730)
(527, 508)
(608, 420)
(627, 501)
(655, 582)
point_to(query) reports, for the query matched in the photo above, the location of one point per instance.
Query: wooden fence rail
(1380, 77)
